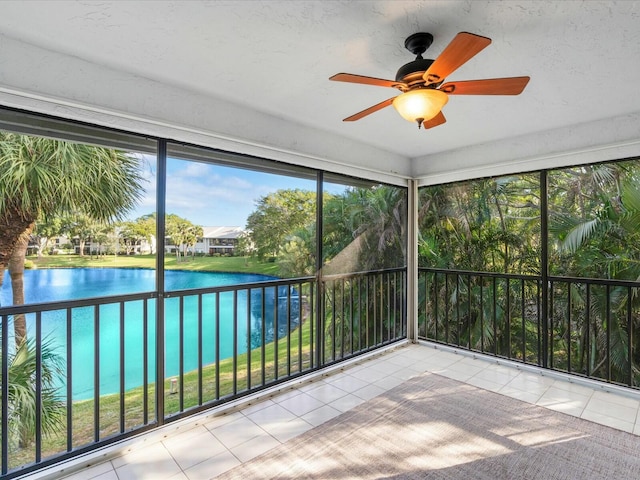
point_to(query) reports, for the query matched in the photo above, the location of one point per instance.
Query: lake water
(48, 285)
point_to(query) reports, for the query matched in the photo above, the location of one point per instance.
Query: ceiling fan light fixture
(420, 104)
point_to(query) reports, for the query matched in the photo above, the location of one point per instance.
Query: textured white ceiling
(275, 57)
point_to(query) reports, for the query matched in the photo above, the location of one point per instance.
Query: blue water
(48, 285)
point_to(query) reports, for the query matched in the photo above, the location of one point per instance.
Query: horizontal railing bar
(235, 288)
(338, 276)
(596, 281)
(480, 274)
(83, 302)
(584, 280)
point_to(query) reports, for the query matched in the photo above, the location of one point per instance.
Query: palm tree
(365, 229)
(41, 178)
(22, 398)
(596, 234)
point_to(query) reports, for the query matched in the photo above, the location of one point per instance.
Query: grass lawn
(203, 264)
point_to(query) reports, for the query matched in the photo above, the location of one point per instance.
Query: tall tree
(146, 227)
(82, 227)
(45, 231)
(42, 177)
(183, 233)
(277, 216)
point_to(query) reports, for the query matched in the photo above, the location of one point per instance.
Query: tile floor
(204, 448)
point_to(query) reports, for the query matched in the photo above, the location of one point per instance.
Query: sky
(212, 195)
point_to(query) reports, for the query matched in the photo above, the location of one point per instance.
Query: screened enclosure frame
(534, 318)
(350, 314)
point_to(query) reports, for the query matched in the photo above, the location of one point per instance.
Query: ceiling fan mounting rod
(418, 43)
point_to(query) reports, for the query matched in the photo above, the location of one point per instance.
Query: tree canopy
(277, 215)
(183, 233)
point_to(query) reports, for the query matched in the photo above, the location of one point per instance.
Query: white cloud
(211, 195)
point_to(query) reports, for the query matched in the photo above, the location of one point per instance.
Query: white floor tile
(283, 431)
(279, 396)
(563, 401)
(422, 353)
(346, 403)
(92, 472)
(405, 374)
(264, 404)
(194, 449)
(573, 387)
(254, 447)
(417, 368)
(608, 421)
(221, 420)
(460, 375)
(497, 374)
(530, 381)
(348, 383)
(239, 431)
(370, 375)
(510, 371)
(150, 463)
(212, 467)
(470, 363)
(270, 415)
(388, 383)
(602, 406)
(617, 399)
(486, 384)
(439, 363)
(385, 367)
(179, 476)
(522, 395)
(321, 415)
(300, 404)
(327, 393)
(401, 360)
(369, 392)
(112, 475)
(315, 384)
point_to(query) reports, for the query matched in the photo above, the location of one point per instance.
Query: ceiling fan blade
(369, 110)
(462, 48)
(435, 121)
(378, 82)
(491, 86)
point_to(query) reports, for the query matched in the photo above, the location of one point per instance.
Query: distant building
(215, 240)
(219, 240)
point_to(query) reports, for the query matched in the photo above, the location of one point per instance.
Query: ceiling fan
(420, 81)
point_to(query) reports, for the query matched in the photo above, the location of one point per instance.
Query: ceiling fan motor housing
(412, 71)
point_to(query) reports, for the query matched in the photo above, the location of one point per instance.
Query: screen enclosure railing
(94, 366)
(586, 327)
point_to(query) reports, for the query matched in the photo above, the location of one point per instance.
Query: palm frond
(631, 197)
(578, 235)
